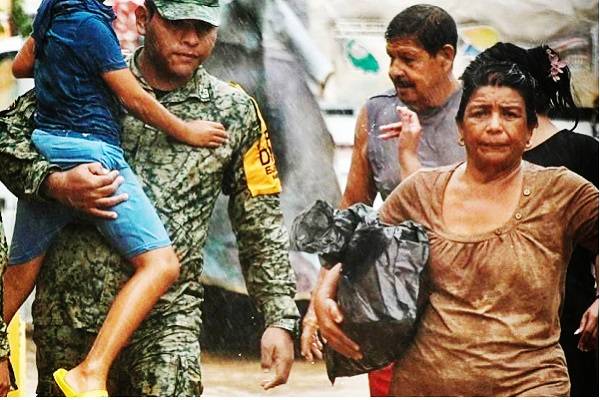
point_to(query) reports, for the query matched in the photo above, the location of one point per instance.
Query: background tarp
(254, 49)
(570, 26)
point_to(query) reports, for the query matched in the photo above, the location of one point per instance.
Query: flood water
(232, 376)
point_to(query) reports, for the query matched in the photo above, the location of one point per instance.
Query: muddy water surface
(232, 376)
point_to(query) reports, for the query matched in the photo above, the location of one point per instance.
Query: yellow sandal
(59, 377)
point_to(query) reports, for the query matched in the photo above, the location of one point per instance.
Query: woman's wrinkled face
(494, 127)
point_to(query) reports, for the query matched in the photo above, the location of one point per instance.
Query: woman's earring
(528, 144)
(461, 141)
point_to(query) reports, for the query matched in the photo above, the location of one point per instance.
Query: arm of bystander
(408, 131)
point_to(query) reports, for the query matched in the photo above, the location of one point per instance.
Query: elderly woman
(553, 147)
(501, 232)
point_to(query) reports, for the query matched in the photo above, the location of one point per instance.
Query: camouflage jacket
(82, 274)
(4, 350)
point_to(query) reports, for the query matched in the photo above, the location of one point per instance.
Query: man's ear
(142, 17)
(446, 56)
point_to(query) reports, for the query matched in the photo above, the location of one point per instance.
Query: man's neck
(440, 95)
(156, 77)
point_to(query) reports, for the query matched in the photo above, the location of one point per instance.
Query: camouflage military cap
(203, 10)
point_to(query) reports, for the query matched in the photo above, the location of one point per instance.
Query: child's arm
(145, 107)
(23, 65)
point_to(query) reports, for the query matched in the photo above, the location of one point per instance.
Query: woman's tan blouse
(491, 326)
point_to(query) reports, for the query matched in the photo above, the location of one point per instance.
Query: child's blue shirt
(75, 43)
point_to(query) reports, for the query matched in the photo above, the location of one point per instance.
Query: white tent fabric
(516, 20)
(573, 23)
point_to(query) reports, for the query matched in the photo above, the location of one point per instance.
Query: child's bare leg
(19, 281)
(155, 271)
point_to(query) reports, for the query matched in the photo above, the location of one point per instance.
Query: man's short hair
(432, 26)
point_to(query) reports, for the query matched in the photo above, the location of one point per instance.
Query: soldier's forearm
(22, 168)
(24, 177)
(262, 242)
(282, 313)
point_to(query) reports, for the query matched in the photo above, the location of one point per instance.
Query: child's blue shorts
(137, 228)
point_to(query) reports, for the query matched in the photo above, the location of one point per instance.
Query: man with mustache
(81, 274)
(418, 114)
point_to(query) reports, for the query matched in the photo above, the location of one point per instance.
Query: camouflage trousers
(159, 364)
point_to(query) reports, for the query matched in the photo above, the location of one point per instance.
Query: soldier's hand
(310, 344)
(205, 134)
(276, 352)
(88, 187)
(4, 377)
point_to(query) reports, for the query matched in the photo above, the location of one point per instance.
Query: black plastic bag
(379, 291)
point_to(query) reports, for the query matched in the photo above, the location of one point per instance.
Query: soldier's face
(178, 47)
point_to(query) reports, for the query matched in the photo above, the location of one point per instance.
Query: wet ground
(232, 376)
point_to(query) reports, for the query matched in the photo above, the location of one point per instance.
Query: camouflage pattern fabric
(203, 10)
(82, 274)
(23, 168)
(150, 367)
(73, 345)
(4, 349)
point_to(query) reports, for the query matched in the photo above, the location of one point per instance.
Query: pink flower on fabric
(556, 65)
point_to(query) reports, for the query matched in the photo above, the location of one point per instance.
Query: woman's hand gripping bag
(381, 289)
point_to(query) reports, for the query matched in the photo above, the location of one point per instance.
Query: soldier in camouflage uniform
(4, 350)
(82, 275)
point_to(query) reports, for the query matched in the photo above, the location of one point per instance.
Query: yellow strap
(259, 161)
